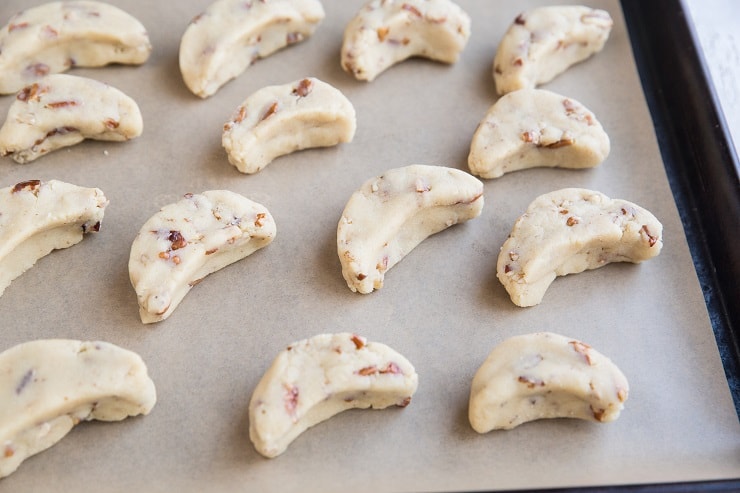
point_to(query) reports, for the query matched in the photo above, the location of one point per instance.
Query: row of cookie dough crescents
(41, 216)
(569, 231)
(61, 110)
(382, 33)
(316, 378)
(189, 239)
(389, 215)
(281, 119)
(48, 386)
(56, 36)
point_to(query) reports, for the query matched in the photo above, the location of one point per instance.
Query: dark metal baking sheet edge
(699, 158)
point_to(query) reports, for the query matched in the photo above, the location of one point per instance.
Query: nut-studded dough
(386, 32)
(316, 378)
(53, 37)
(278, 120)
(533, 127)
(189, 239)
(49, 386)
(544, 375)
(222, 42)
(37, 217)
(391, 214)
(571, 230)
(62, 110)
(543, 42)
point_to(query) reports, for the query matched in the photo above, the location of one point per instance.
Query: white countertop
(716, 23)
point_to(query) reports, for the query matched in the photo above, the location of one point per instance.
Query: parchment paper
(442, 306)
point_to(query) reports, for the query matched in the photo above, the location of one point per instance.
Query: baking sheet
(441, 307)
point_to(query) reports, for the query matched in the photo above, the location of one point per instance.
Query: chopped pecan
(382, 33)
(30, 185)
(391, 368)
(404, 402)
(576, 112)
(49, 32)
(21, 25)
(30, 93)
(520, 20)
(652, 240)
(411, 9)
(598, 413)
(622, 394)
(293, 38)
(531, 137)
(9, 451)
(111, 124)
(259, 220)
(368, 370)
(61, 104)
(304, 88)
(582, 349)
(56, 131)
(565, 140)
(359, 341)
(531, 382)
(94, 228)
(38, 69)
(271, 110)
(177, 240)
(422, 186)
(572, 221)
(291, 399)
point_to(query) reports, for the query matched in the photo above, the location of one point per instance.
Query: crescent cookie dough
(391, 214)
(49, 386)
(189, 239)
(222, 42)
(56, 36)
(386, 32)
(544, 375)
(314, 379)
(37, 217)
(533, 127)
(543, 42)
(571, 230)
(63, 110)
(281, 119)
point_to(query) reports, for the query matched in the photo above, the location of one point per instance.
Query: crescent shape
(63, 110)
(37, 217)
(532, 127)
(386, 32)
(314, 379)
(56, 36)
(222, 42)
(189, 239)
(49, 386)
(571, 230)
(544, 375)
(281, 119)
(391, 214)
(544, 42)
